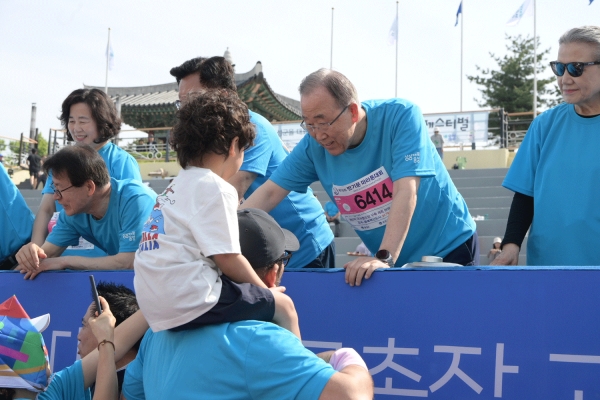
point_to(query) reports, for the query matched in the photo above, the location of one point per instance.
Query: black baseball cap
(262, 240)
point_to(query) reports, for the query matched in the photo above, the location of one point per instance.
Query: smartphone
(95, 294)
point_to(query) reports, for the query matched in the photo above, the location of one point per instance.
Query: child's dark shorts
(238, 302)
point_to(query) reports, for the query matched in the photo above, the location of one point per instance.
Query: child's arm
(237, 268)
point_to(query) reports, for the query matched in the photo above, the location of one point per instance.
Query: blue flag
(591, 1)
(460, 12)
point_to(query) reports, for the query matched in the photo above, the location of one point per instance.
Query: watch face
(383, 254)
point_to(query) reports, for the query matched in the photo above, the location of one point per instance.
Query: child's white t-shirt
(194, 218)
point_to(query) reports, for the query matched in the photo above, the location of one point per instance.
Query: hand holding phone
(95, 294)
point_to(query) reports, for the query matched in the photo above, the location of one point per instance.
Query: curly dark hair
(215, 72)
(103, 111)
(208, 124)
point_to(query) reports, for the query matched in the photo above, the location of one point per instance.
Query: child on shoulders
(189, 270)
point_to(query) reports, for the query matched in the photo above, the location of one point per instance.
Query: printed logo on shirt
(415, 157)
(155, 223)
(129, 235)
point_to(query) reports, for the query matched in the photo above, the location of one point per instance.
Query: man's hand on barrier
(29, 256)
(362, 267)
(509, 255)
(49, 264)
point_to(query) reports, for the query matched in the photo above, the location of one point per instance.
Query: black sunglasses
(574, 69)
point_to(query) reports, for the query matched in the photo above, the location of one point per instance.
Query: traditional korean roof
(154, 106)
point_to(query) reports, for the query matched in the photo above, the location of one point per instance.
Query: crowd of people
(208, 253)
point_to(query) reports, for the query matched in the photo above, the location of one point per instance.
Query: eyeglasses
(60, 192)
(574, 69)
(323, 126)
(286, 258)
(178, 104)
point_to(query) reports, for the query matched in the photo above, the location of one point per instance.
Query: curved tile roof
(154, 105)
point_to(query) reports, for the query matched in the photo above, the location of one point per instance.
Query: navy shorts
(238, 302)
(465, 254)
(324, 260)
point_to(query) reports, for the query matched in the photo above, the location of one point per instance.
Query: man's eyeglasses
(178, 104)
(574, 69)
(323, 126)
(286, 258)
(60, 192)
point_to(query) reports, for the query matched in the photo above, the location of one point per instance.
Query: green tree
(42, 146)
(14, 146)
(511, 85)
(2, 145)
(556, 97)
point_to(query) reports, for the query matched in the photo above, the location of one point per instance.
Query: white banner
(456, 128)
(290, 133)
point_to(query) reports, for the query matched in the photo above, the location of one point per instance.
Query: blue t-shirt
(121, 165)
(396, 145)
(241, 360)
(331, 209)
(16, 219)
(300, 213)
(119, 231)
(67, 384)
(557, 164)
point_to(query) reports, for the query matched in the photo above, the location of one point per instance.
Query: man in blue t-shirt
(377, 163)
(301, 213)
(106, 212)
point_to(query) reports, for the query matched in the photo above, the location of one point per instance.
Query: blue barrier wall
(442, 334)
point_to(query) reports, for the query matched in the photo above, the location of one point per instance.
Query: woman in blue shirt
(90, 117)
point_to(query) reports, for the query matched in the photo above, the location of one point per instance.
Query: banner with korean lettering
(455, 333)
(461, 127)
(290, 133)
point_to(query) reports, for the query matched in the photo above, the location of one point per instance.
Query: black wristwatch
(385, 257)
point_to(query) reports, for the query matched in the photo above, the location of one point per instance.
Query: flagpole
(534, 62)
(107, 58)
(331, 55)
(462, 18)
(396, 86)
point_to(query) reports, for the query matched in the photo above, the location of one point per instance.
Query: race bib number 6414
(366, 202)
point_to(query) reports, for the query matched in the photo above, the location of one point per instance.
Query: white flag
(526, 10)
(110, 56)
(393, 35)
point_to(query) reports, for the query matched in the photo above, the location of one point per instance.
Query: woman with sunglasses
(555, 173)
(89, 117)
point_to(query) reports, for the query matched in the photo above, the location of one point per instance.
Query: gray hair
(340, 87)
(584, 34)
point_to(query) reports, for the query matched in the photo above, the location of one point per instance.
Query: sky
(52, 47)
